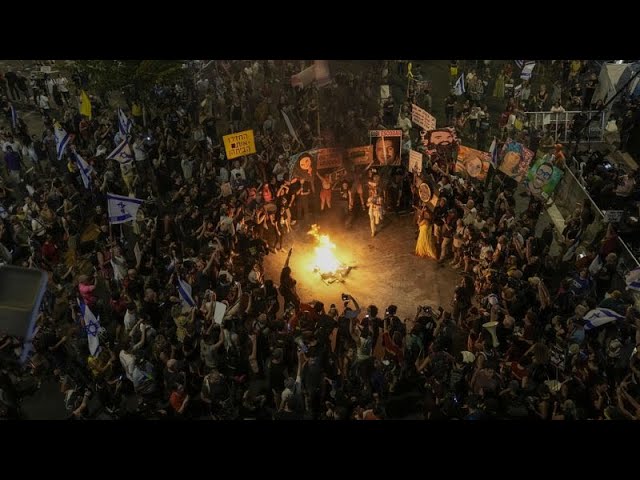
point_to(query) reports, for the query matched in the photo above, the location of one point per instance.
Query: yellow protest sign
(239, 144)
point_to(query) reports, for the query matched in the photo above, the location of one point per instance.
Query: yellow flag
(85, 105)
(136, 111)
(409, 72)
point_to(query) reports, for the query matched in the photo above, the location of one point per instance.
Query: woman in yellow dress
(426, 245)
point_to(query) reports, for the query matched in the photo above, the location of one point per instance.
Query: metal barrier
(560, 124)
(567, 195)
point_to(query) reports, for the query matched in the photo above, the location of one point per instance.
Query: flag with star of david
(92, 327)
(122, 209)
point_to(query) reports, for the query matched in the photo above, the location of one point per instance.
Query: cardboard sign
(386, 145)
(329, 158)
(422, 118)
(415, 161)
(359, 155)
(239, 144)
(613, 216)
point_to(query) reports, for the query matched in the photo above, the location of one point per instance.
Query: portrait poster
(303, 165)
(472, 163)
(515, 160)
(543, 177)
(415, 161)
(441, 143)
(386, 146)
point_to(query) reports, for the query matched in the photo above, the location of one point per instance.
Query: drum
(424, 191)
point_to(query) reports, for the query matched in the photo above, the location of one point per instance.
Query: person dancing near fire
(426, 245)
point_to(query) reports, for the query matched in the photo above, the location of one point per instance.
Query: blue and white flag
(85, 170)
(122, 153)
(493, 150)
(122, 209)
(124, 123)
(519, 63)
(184, 289)
(527, 70)
(62, 139)
(458, 88)
(600, 316)
(92, 327)
(632, 279)
(14, 116)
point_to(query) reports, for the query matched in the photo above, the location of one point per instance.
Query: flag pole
(318, 110)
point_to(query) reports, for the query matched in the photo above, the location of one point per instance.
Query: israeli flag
(632, 279)
(122, 153)
(122, 209)
(527, 70)
(62, 139)
(85, 170)
(92, 327)
(519, 63)
(14, 116)
(184, 289)
(458, 88)
(493, 149)
(124, 123)
(600, 316)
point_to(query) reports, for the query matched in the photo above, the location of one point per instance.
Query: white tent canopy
(610, 76)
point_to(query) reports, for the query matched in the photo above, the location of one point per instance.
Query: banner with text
(239, 144)
(422, 118)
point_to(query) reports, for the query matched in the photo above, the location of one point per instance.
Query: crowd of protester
(211, 222)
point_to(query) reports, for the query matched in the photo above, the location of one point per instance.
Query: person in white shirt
(43, 104)
(237, 168)
(128, 362)
(130, 317)
(404, 122)
(280, 168)
(223, 175)
(187, 167)
(63, 89)
(557, 108)
(139, 151)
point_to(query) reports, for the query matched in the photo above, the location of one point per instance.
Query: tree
(135, 77)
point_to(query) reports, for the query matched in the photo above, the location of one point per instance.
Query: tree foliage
(135, 77)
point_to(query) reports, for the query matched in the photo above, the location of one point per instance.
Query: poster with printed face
(441, 143)
(415, 161)
(358, 156)
(515, 160)
(422, 118)
(386, 146)
(543, 177)
(303, 165)
(472, 163)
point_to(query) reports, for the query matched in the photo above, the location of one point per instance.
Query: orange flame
(325, 260)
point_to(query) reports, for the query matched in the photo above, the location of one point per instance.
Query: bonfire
(325, 262)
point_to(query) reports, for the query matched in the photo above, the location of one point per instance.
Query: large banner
(239, 144)
(359, 155)
(441, 143)
(543, 177)
(473, 163)
(386, 146)
(303, 165)
(515, 160)
(422, 118)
